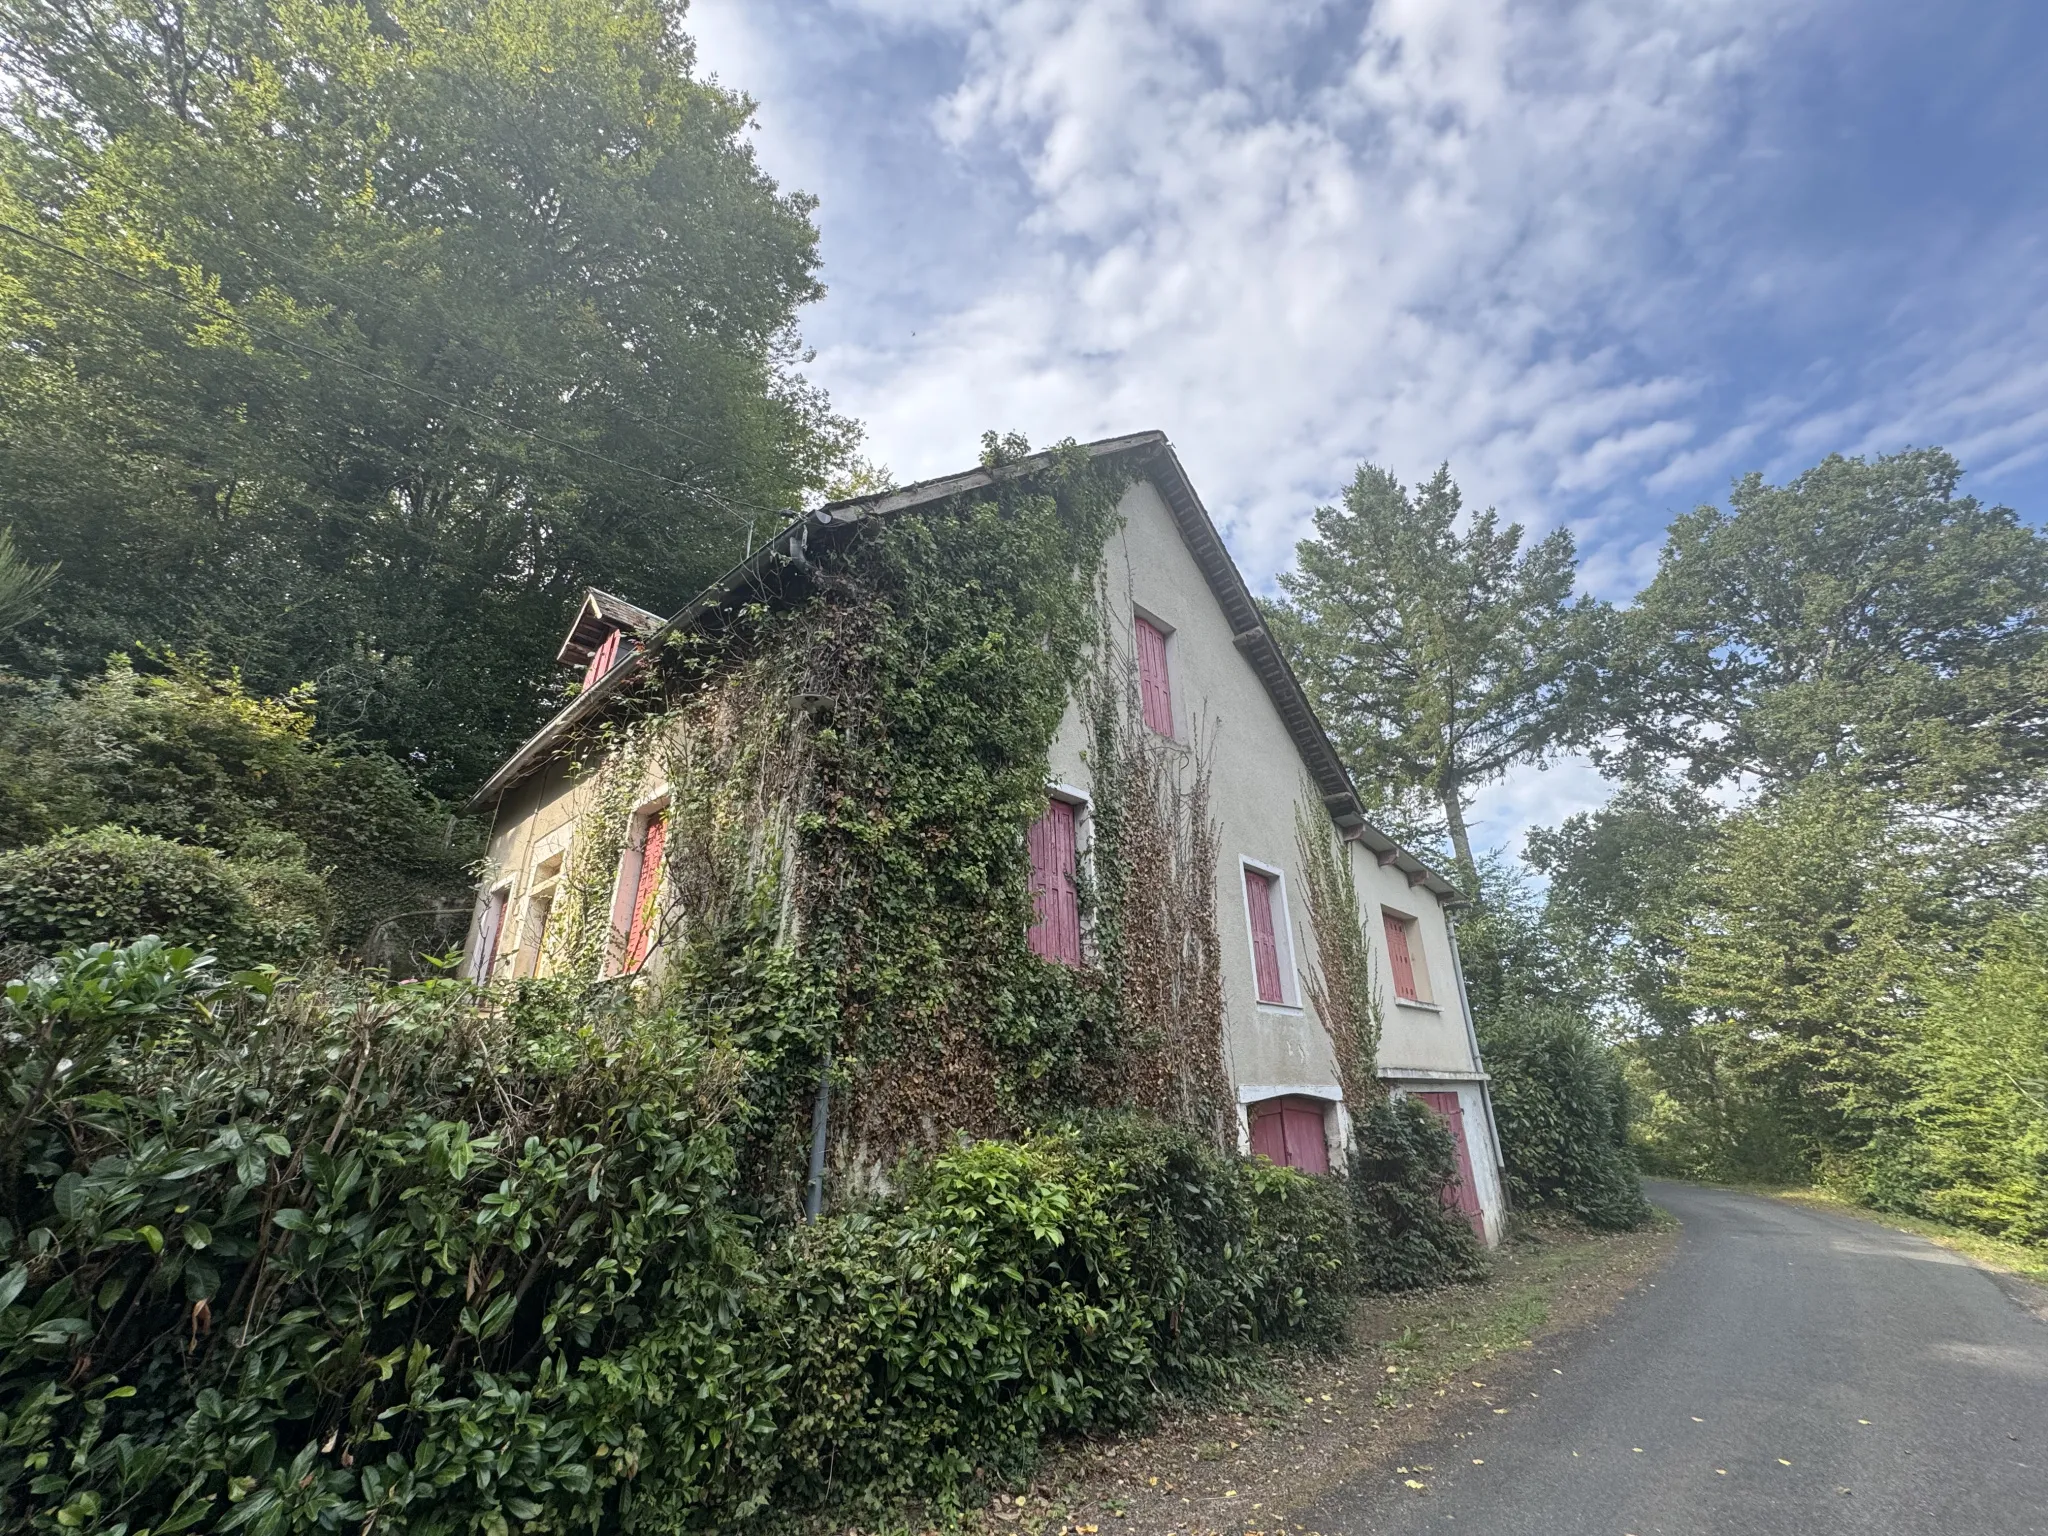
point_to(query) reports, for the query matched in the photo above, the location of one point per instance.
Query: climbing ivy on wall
(849, 774)
(1153, 904)
(1341, 986)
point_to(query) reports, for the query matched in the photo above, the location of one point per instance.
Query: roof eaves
(751, 575)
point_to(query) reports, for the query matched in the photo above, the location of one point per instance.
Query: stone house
(1210, 682)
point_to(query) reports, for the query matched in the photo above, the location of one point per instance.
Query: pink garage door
(1465, 1194)
(1289, 1132)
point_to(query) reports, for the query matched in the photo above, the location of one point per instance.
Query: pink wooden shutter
(646, 891)
(1269, 1134)
(1258, 900)
(1465, 1195)
(1155, 692)
(1055, 895)
(1307, 1147)
(602, 658)
(1398, 958)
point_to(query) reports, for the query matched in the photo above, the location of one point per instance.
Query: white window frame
(541, 887)
(1084, 861)
(625, 884)
(501, 891)
(1283, 937)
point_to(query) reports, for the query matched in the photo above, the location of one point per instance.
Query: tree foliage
(186, 755)
(1439, 658)
(348, 341)
(1813, 967)
(1862, 618)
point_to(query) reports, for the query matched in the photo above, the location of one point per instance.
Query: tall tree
(1440, 659)
(346, 339)
(1863, 618)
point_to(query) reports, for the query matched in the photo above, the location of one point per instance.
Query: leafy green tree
(1440, 659)
(1621, 881)
(347, 341)
(21, 584)
(1864, 617)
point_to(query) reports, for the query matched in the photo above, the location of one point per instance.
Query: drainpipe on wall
(1500, 1167)
(821, 1113)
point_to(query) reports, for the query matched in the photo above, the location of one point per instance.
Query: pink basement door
(1288, 1133)
(1465, 1194)
(1055, 893)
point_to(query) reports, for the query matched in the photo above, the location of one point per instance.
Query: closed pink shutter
(1269, 1134)
(487, 936)
(1465, 1196)
(1258, 900)
(646, 891)
(1289, 1133)
(1398, 958)
(1055, 894)
(1155, 692)
(602, 658)
(1307, 1148)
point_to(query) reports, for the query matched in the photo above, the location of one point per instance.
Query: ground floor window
(1289, 1132)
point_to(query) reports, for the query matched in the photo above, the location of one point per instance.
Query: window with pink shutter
(486, 956)
(1258, 901)
(646, 892)
(1055, 892)
(602, 659)
(1155, 692)
(1399, 960)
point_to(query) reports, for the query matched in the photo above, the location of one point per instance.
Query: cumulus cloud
(1520, 237)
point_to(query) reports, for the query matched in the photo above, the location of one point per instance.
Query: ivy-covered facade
(979, 802)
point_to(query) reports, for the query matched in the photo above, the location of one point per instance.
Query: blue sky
(1601, 257)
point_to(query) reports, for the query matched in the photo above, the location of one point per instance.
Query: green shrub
(1562, 1109)
(371, 1253)
(198, 759)
(1406, 1234)
(116, 885)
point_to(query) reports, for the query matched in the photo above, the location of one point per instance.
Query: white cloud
(1301, 233)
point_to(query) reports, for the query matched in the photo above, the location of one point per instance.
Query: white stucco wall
(1257, 781)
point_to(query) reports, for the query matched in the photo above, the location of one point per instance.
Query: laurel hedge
(361, 1255)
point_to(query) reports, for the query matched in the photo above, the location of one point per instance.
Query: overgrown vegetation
(282, 1258)
(342, 838)
(348, 342)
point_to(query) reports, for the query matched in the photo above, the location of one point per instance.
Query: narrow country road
(1791, 1371)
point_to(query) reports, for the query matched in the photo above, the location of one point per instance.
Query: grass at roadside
(1311, 1421)
(2027, 1261)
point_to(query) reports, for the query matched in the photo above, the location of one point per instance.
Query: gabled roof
(600, 614)
(1150, 454)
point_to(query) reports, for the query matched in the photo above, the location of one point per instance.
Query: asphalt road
(1791, 1371)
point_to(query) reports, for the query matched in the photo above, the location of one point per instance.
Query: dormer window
(607, 631)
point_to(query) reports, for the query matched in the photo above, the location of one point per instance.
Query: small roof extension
(600, 614)
(1151, 454)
